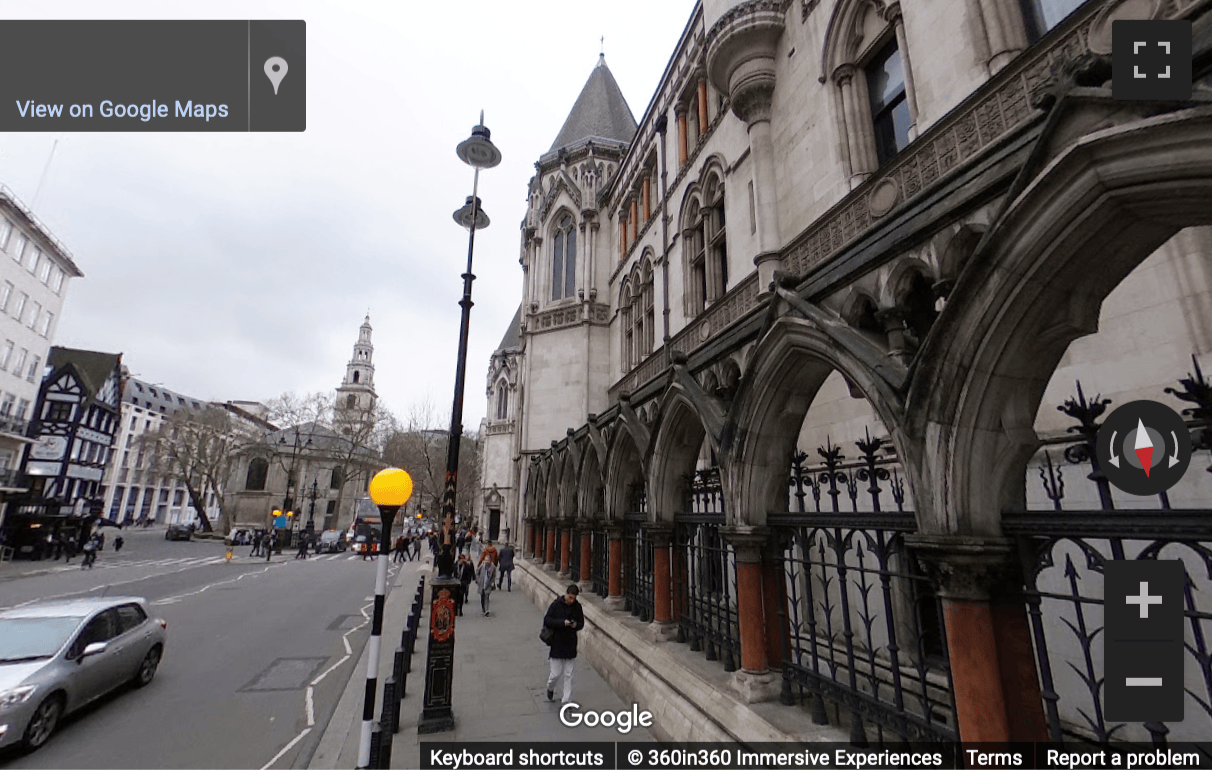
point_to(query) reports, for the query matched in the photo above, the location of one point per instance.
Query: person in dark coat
(118, 543)
(256, 549)
(465, 572)
(506, 558)
(565, 617)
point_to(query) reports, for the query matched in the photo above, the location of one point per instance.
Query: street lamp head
(463, 215)
(478, 150)
(391, 487)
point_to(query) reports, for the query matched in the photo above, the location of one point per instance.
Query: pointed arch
(562, 276)
(677, 445)
(624, 468)
(591, 487)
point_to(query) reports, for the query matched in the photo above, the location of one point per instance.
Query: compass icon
(1144, 448)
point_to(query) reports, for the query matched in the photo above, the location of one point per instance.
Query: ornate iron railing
(637, 558)
(600, 568)
(864, 626)
(574, 553)
(1079, 523)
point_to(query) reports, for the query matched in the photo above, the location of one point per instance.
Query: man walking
(487, 579)
(465, 572)
(304, 542)
(565, 617)
(256, 551)
(505, 560)
(90, 553)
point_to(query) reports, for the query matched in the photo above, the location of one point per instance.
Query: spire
(600, 112)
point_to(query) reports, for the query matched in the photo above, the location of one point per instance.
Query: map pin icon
(275, 70)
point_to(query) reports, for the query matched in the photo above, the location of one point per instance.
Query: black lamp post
(287, 500)
(311, 513)
(479, 152)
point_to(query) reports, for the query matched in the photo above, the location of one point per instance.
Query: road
(258, 654)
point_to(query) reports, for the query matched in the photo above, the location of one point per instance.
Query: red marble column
(622, 238)
(565, 547)
(586, 556)
(751, 611)
(634, 219)
(528, 540)
(776, 624)
(661, 604)
(682, 148)
(646, 198)
(550, 556)
(702, 107)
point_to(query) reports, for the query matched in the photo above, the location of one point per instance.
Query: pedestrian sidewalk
(500, 678)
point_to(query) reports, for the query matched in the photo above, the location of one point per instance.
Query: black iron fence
(599, 570)
(637, 557)
(864, 626)
(1075, 522)
(574, 553)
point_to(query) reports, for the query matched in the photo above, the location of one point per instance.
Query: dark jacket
(506, 557)
(564, 643)
(465, 572)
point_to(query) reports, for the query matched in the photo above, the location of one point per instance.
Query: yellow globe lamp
(391, 488)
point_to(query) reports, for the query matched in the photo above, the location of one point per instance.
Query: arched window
(717, 241)
(639, 335)
(564, 260)
(649, 305)
(625, 325)
(338, 477)
(502, 400)
(258, 469)
(351, 401)
(866, 59)
(356, 375)
(695, 248)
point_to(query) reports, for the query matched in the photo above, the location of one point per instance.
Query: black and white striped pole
(389, 489)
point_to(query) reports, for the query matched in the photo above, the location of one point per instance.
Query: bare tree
(359, 437)
(294, 409)
(198, 448)
(419, 446)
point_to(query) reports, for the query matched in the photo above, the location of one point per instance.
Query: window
(356, 377)
(6, 232)
(130, 617)
(1039, 16)
(19, 364)
(717, 241)
(23, 409)
(5, 293)
(19, 311)
(44, 271)
(100, 629)
(33, 368)
(337, 479)
(35, 314)
(19, 250)
(57, 281)
(502, 401)
(649, 305)
(889, 109)
(696, 262)
(47, 318)
(258, 469)
(626, 324)
(351, 401)
(564, 260)
(34, 256)
(6, 406)
(58, 411)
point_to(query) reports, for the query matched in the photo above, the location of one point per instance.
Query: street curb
(346, 719)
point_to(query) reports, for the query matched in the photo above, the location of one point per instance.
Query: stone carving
(563, 317)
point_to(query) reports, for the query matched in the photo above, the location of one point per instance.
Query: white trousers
(561, 667)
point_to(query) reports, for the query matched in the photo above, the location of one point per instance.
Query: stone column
(777, 630)
(646, 197)
(753, 682)
(634, 219)
(565, 548)
(614, 599)
(997, 695)
(683, 150)
(622, 237)
(528, 540)
(893, 320)
(549, 556)
(679, 578)
(702, 106)
(862, 157)
(1005, 31)
(662, 628)
(586, 576)
(893, 14)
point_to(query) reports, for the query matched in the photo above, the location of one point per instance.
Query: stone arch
(554, 509)
(787, 369)
(958, 248)
(859, 309)
(624, 467)
(569, 499)
(1036, 283)
(535, 492)
(591, 487)
(676, 447)
(855, 27)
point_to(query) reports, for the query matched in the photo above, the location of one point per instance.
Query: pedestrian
(466, 575)
(270, 538)
(58, 545)
(401, 545)
(118, 543)
(565, 617)
(486, 577)
(505, 560)
(416, 545)
(489, 554)
(90, 553)
(256, 549)
(304, 542)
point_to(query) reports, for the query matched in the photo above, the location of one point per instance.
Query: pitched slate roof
(600, 112)
(94, 367)
(513, 334)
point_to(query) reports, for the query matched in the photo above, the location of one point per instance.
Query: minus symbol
(1144, 681)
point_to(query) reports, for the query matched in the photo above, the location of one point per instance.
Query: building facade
(809, 355)
(33, 285)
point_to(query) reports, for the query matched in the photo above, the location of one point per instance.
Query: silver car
(60, 655)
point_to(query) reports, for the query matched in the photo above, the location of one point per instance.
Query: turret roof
(599, 112)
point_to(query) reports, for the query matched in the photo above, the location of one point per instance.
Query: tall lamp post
(479, 152)
(287, 501)
(311, 512)
(389, 489)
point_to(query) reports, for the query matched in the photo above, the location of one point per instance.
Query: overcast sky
(240, 265)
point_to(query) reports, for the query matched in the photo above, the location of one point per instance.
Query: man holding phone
(565, 617)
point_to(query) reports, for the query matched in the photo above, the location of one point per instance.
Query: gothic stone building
(811, 358)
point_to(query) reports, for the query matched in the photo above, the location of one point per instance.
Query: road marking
(330, 669)
(311, 712)
(286, 748)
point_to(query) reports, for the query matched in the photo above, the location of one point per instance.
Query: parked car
(179, 532)
(61, 655)
(332, 541)
(362, 543)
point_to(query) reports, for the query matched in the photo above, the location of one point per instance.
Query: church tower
(357, 391)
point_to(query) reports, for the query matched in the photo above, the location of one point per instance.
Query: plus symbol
(1144, 600)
